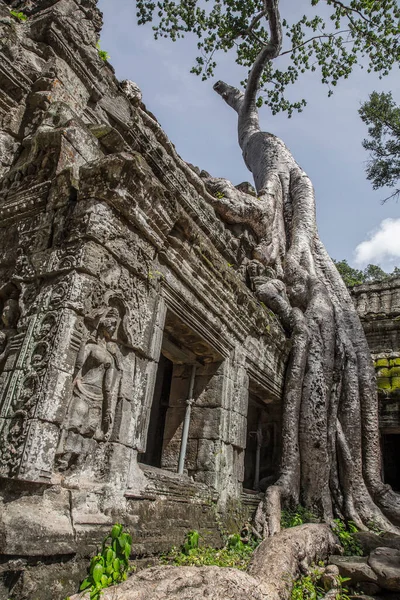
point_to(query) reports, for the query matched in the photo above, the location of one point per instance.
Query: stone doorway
(391, 463)
(262, 455)
(188, 386)
(159, 407)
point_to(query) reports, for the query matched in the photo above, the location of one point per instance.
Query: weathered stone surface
(385, 562)
(111, 256)
(370, 541)
(187, 583)
(32, 580)
(37, 525)
(378, 305)
(356, 568)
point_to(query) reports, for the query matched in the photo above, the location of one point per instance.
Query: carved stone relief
(96, 390)
(10, 313)
(26, 357)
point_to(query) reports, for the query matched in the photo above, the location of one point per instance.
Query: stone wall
(116, 280)
(378, 305)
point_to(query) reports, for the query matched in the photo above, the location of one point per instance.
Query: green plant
(375, 528)
(191, 543)
(235, 553)
(155, 275)
(111, 566)
(19, 15)
(351, 546)
(103, 54)
(297, 516)
(219, 195)
(306, 587)
(309, 587)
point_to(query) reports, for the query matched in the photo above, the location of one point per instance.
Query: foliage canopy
(382, 116)
(370, 274)
(331, 39)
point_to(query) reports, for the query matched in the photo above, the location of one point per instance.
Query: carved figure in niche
(14, 431)
(97, 376)
(13, 445)
(8, 328)
(47, 327)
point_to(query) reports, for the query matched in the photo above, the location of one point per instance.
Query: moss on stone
(395, 383)
(384, 383)
(395, 362)
(395, 372)
(381, 362)
(384, 372)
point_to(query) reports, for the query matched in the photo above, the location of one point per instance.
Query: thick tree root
(330, 441)
(277, 562)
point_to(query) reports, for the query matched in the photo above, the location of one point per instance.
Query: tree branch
(256, 38)
(254, 22)
(270, 51)
(315, 37)
(396, 194)
(232, 96)
(350, 9)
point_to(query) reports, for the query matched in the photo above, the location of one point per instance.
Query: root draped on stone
(277, 562)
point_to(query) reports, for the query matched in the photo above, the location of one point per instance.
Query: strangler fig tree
(330, 439)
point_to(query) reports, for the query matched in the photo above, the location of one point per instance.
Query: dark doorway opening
(262, 455)
(159, 407)
(391, 461)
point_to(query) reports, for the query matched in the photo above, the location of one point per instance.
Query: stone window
(262, 455)
(189, 373)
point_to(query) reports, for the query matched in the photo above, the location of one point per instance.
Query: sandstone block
(385, 562)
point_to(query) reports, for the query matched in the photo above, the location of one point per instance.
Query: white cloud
(382, 247)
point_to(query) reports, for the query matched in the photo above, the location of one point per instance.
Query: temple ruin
(140, 378)
(378, 305)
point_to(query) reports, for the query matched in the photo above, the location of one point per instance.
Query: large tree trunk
(331, 451)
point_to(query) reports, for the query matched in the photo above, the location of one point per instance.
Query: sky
(325, 139)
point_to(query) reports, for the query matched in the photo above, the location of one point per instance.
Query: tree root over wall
(330, 430)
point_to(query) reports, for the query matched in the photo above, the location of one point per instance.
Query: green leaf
(314, 41)
(97, 573)
(19, 15)
(116, 531)
(127, 550)
(98, 559)
(117, 565)
(86, 583)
